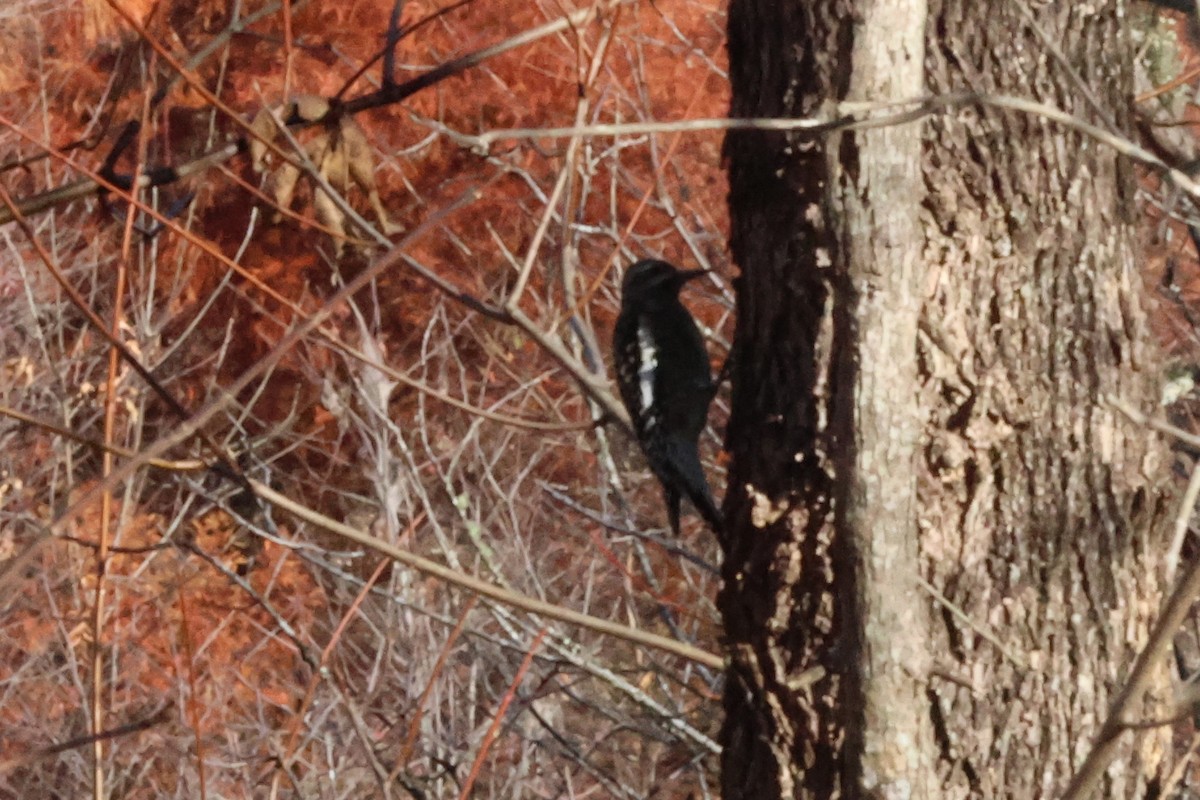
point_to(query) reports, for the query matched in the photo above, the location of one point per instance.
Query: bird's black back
(681, 382)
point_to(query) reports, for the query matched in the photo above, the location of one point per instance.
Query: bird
(665, 382)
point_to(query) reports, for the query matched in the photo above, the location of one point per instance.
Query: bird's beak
(691, 274)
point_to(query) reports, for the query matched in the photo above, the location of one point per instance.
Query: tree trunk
(930, 499)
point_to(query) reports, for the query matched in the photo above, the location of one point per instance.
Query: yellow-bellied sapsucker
(665, 382)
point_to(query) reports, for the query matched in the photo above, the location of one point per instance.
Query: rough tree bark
(930, 499)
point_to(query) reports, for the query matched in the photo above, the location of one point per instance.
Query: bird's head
(650, 282)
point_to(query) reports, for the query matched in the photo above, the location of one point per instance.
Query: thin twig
(845, 119)
(972, 624)
(489, 590)
(498, 717)
(1083, 784)
(159, 717)
(1182, 521)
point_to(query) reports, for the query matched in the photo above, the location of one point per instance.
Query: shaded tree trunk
(930, 500)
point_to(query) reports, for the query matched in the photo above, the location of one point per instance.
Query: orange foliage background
(203, 618)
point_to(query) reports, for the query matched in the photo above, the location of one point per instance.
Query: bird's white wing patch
(647, 368)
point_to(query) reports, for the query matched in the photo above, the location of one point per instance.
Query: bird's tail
(683, 461)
